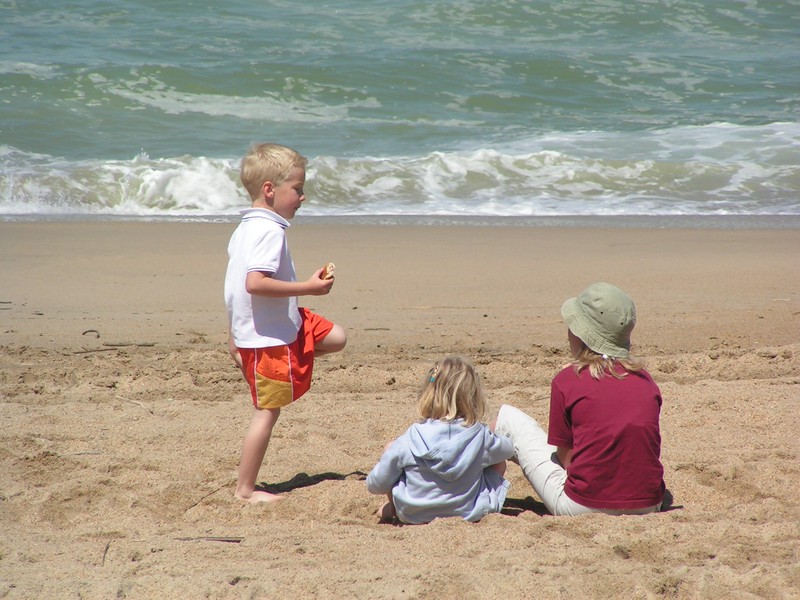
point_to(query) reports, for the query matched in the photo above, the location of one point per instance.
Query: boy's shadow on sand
(302, 480)
(514, 507)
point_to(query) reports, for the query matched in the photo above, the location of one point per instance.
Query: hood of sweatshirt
(447, 448)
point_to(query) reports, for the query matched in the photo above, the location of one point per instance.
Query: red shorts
(279, 375)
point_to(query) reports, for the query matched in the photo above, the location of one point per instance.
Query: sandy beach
(123, 415)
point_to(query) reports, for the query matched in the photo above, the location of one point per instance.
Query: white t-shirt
(259, 244)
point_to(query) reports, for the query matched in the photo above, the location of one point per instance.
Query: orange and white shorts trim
(279, 375)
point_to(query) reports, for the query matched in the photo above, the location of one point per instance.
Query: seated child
(449, 464)
(602, 450)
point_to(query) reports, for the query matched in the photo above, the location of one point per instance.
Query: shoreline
(734, 222)
(158, 280)
(155, 281)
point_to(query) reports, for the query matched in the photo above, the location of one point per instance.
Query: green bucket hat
(602, 317)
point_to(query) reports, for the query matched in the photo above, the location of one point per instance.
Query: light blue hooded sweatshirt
(439, 469)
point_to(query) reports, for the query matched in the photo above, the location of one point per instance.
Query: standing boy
(271, 339)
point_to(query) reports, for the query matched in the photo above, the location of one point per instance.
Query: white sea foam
(723, 172)
(149, 91)
(181, 186)
(714, 169)
(36, 71)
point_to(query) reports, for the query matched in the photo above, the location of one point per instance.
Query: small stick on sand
(211, 493)
(212, 538)
(150, 410)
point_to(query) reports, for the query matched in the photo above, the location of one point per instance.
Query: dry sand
(122, 414)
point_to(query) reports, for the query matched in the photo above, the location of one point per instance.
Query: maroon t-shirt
(612, 427)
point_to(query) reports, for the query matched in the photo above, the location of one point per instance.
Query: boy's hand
(317, 285)
(234, 351)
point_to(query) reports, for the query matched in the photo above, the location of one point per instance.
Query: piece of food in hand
(327, 272)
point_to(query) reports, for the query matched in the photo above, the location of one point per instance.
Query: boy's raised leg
(253, 449)
(335, 341)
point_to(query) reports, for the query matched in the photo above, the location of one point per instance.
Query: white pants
(540, 466)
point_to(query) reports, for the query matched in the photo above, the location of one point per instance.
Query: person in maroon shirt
(602, 453)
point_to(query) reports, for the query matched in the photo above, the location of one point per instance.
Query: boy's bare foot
(259, 496)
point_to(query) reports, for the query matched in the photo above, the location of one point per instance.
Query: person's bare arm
(564, 455)
(259, 283)
(234, 351)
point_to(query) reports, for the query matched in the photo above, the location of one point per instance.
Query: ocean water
(595, 108)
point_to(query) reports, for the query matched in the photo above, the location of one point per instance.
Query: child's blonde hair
(600, 365)
(268, 162)
(452, 390)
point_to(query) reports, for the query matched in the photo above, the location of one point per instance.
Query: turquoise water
(143, 108)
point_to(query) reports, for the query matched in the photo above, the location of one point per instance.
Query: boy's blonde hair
(268, 162)
(600, 365)
(452, 390)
